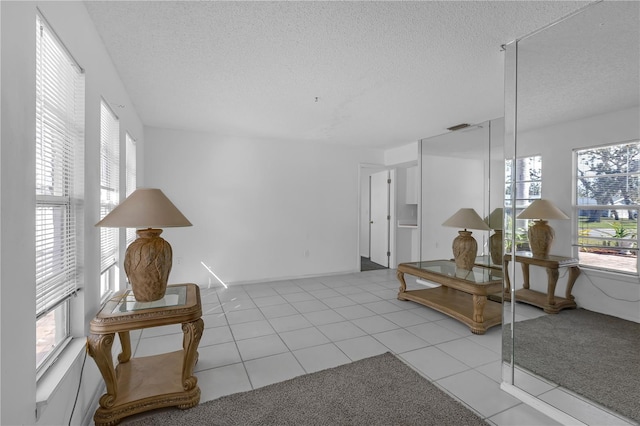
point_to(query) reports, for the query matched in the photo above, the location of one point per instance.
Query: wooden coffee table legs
(479, 303)
(471, 309)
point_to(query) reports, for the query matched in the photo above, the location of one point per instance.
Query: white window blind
(130, 152)
(59, 133)
(109, 183)
(607, 182)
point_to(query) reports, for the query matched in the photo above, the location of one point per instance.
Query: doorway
(375, 218)
(379, 218)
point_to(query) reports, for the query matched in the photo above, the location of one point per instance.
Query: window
(59, 139)
(109, 196)
(130, 178)
(527, 189)
(607, 205)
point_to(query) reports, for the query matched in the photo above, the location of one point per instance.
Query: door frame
(381, 215)
(364, 171)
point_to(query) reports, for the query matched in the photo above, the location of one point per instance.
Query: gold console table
(548, 301)
(140, 384)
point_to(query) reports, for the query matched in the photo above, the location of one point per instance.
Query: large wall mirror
(461, 169)
(572, 127)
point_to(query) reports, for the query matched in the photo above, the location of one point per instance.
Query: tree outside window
(526, 188)
(607, 204)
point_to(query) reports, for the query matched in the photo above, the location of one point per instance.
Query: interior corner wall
(262, 210)
(71, 22)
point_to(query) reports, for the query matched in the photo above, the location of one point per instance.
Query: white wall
(261, 209)
(403, 154)
(612, 294)
(448, 184)
(17, 204)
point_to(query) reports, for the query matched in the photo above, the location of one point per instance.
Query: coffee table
(461, 294)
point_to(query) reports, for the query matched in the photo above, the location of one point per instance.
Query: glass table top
(478, 274)
(174, 296)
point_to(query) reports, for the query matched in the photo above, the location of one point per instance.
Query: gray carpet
(367, 265)
(380, 390)
(591, 354)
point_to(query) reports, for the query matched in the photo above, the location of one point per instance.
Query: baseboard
(543, 407)
(289, 277)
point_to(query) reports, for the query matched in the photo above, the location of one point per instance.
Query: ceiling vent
(458, 127)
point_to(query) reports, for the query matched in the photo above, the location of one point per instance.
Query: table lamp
(465, 247)
(540, 233)
(148, 260)
(494, 220)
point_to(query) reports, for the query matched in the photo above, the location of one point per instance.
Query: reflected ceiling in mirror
(589, 65)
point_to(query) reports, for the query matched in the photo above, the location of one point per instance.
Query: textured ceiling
(377, 74)
(587, 65)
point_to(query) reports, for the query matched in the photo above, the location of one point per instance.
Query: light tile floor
(259, 334)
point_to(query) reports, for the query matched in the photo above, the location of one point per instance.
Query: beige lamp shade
(149, 258)
(542, 209)
(145, 208)
(494, 220)
(468, 219)
(465, 247)
(540, 234)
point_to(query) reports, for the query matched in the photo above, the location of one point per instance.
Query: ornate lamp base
(495, 247)
(465, 250)
(147, 264)
(540, 238)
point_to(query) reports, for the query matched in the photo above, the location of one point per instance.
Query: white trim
(57, 372)
(546, 409)
(611, 274)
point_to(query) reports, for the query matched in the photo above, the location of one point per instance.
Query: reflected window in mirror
(527, 189)
(607, 204)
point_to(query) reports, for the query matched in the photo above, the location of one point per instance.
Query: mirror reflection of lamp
(148, 259)
(540, 233)
(465, 247)
(495, 220)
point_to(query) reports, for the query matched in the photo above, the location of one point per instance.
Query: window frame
(582, 204)
(59, 138)
(109, 197)
(130, 178)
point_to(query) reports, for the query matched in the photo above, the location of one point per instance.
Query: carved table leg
(99, 348)
(192, 335)
(125, 342)
(478, 312)
(574, 272)
(525, 274)
(552, 280)
(507, 282)
(403, 284)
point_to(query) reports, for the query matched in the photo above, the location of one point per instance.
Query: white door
(379, 218)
